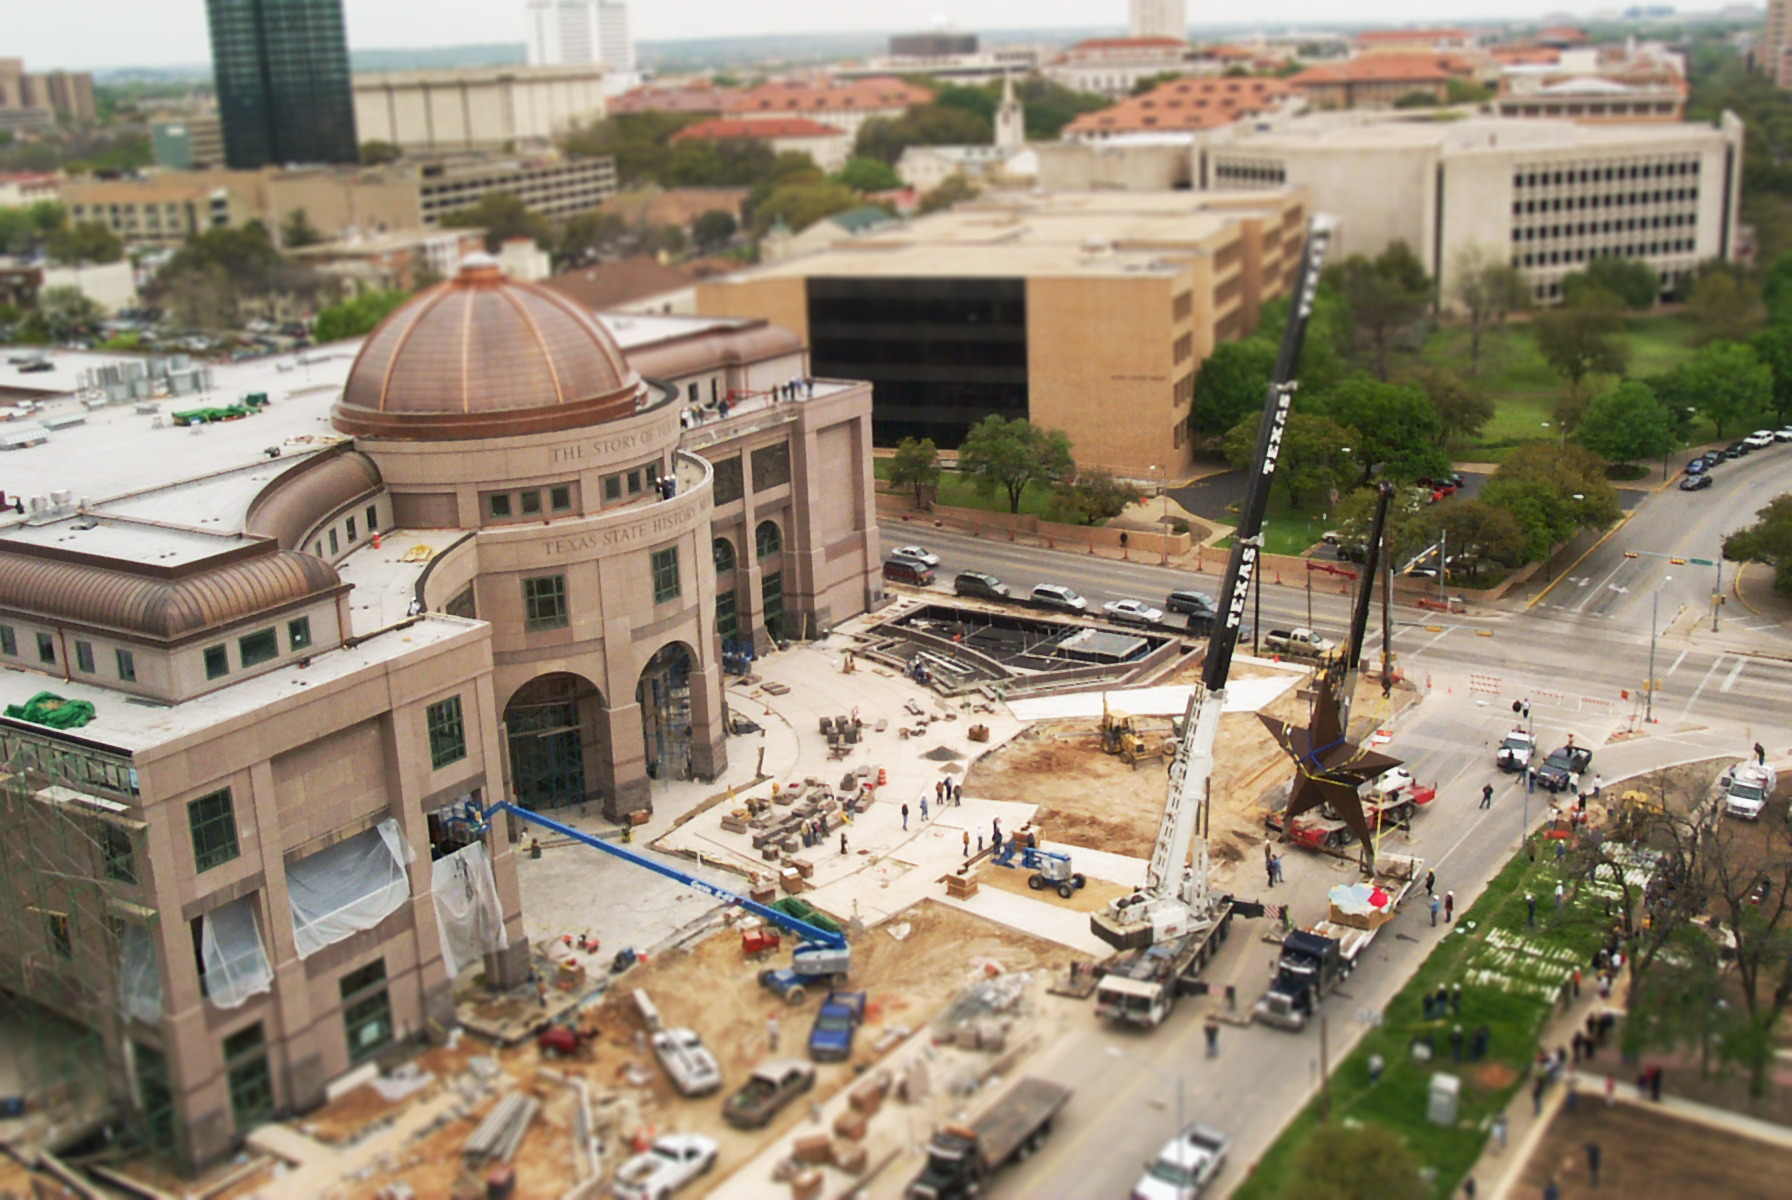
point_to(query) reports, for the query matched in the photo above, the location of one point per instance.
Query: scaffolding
(77, 961)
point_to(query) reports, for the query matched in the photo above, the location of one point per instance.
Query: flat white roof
(64, 375)
(134, 725)
(635, 330)
(153, 545)
(385, 580)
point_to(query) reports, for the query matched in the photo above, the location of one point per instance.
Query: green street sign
(1701, 562)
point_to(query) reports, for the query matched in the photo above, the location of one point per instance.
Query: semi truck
(1141, 987)
(1314, 960)
(962, 1158)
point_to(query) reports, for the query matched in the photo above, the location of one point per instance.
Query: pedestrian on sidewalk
(1760, 755)
(1430, 881)
(1537, 1094)
(1499, 1132)
(1551, 1191)
(1611, 1090)
(1434, 907)
(1530, 908)
(923, 806)
(1559, 894)
(1449, 907)
(1655, 1083)
(1456, 999)
(1487, 795)
(1212, 1030)
(995, 835)
(1598, 784)
(1468, 1188)
(1269, 866)
(1376, 1065)
(905, 816)
(843, 841)
(958, 795)
(967, 843)
(771, 1033)
(1276, 863)
(1575, 979)
(1593, 1157)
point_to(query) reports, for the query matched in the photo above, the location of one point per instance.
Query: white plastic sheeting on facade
(467, 910)
(351, 886)
(140, 984)
(236, 963)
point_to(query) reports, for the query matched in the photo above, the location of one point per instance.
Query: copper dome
(484, 356)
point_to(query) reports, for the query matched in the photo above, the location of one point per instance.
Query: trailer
(961, 1159)
(1317, 958)
(1141, 988)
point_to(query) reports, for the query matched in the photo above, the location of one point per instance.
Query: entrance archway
(664, 695)
(556, 742)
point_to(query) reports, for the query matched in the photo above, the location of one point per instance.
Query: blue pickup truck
(839, 1018)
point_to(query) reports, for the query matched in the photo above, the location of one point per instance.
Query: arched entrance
(664, 695)
(556, 742)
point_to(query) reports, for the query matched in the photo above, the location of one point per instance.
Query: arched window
(767, 541)
(723, 550)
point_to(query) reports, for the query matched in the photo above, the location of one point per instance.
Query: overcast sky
(75, 34)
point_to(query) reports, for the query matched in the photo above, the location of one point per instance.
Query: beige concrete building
(1084, 312)
(263, 674)
(1549, 195)
(844, 104)
(462, 109)
(828, 145)
(394, 260)
(1111, 66)
(67, 94)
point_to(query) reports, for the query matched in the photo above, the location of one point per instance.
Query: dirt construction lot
(1645, 1154)
(713, 989)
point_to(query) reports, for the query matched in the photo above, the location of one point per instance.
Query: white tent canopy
(348, 887)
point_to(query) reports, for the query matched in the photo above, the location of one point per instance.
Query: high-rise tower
(1158, 19)
(281, 72)
(563, 32)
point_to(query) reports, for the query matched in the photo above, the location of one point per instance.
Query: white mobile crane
(1175, 905)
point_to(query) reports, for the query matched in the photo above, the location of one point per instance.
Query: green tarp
(791, 906)
(47, 708)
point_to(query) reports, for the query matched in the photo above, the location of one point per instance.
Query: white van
(1746, 789)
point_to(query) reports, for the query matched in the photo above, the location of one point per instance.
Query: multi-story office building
(1086, 312)
(1157, 19)
(67, 94)
(188, 143)
(580, 33)
(935, 43)
(1773, 53)
(280, 68)
(844, 105)
(476, 108)
(1111, 66)
(488, 560)
(554, 187)
(1548, 195)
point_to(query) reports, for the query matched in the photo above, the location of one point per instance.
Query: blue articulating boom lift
(822, 953)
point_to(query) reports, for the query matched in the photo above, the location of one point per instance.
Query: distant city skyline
(88, 34)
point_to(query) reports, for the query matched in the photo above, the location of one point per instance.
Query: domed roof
(484, 356)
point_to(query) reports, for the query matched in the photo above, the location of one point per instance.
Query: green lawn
(1510, 975)
(957, 491)
(1286, 530)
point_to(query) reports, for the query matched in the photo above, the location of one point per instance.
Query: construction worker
(771, 1033)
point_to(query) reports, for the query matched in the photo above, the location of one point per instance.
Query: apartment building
(1086, 312)
(554, 187)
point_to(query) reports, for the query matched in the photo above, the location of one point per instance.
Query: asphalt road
(1572, 654)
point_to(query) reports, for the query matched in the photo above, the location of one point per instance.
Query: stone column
(709, 748)
(626, 786)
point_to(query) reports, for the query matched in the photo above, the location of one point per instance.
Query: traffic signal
(1630, 554)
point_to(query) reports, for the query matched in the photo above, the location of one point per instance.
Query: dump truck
(960, 1158)
(1141, 987)
(1299, 642)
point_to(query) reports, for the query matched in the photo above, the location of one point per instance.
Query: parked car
(1737, 449)
(672, 1161)
(1189, 602)
(1711, 458)
(984, 587)
(1441, 485)
(1516, 751)
(907, 570)
(1759, 439)
(768, 1089)
(1563, 768)
(688, 1063)
(37, 365)
(1747, 786)
(1695, 483)
(1783, 435)
(1185, 1166)
(916, 554)
(1697, 466)
(1058, 598)
(1132, 612)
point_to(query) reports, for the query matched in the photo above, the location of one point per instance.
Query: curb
(1535, 600)
(1736, 586)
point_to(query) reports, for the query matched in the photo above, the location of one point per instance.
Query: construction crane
(1175, 901)
(823, 953)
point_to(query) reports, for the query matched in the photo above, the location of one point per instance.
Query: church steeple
(1011, 123)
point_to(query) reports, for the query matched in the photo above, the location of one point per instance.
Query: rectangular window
(544, 602)
(366, 1011)
(258, 647)
(373, 519)
(498, 506)
(531, 503)
(447, 734)
(46, 648)
(317, 547)
(352, 535)
(9, 641)
(251, 1083)
(298, 633)
(560, 498)
(213, 824)
(217, 662)
(771, 466)
(727, 620)
(634, 483)
(612, 487)
(60, 936)
(665, 575)
(728, 481)
(127, 665)
(333, 542)
(84, 656)
(691, 392)
(117, 853)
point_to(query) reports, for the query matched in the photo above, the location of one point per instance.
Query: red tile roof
(1412, 35)
(1384, 68)
(797, 98)
(672, 100)
(1185, 104)
(721, 129)
(1127, 43)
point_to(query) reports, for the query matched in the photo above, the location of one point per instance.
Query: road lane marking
(1677, 663)
(1709, 672)
(1594, 591)
(1730, 682)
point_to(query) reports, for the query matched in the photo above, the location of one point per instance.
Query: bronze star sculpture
(1328, 768)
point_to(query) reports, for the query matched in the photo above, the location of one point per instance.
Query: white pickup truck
(671, 1162)
(688, 1062)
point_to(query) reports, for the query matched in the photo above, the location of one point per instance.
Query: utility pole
(1325, 1090)
(1717, 596)
(1654, 623)
(1443, 561)
(1387, 627)
(1309, 595)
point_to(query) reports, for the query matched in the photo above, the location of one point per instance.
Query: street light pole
(1654, 623)
(1163, 525)
(1717, 597)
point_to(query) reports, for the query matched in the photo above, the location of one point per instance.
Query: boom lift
(1175, 901)
(821, 953)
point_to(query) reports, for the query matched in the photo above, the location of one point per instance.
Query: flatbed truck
(1141, 987)
(1316, 958)
(961, 1159)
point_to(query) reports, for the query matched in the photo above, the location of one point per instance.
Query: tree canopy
(1768, 540)
(1232, 384)
(1008, 455)
(1726, 383)
(1397, 427)
(1553, 492)
(1488, 288)
(1723, 304)
(502, 216)
(1093, 496)
(353, 318)
(1633, 283)
(1385, 296)
(1463, 410)
(1361, 1162)
(915, 463)
(868, 175)
(1314, 455)
(1626, 424)
(800, 205)
(1580, 338)
(885, 138)
(84, 242)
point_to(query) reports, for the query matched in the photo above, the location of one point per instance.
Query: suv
(1058, 598)
(1516, 751)
(1563, 768)
(907, 570)
(1759, 439)
(984, 587)
(1189, 602)
(1746, 789)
